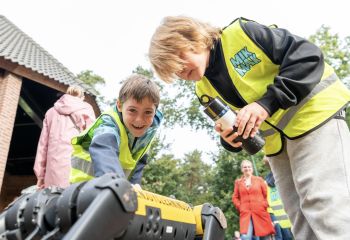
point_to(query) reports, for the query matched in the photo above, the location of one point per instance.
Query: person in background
(249, 198)
(236, 236)
(118, 141)
(69, 116)
(279, 84)
(277, 213)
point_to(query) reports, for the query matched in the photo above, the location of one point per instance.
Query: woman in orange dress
(250, 200)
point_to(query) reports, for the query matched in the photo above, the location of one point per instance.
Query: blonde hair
(75, 91)
(139, 87)
(175, 35)
(246, 161)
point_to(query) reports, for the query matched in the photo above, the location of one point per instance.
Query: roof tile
(19, 48)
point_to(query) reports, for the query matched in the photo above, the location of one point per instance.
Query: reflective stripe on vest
(283, 122)
(82, 165)
(276, 207)
(251, 79)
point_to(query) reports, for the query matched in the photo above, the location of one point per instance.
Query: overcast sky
(111, 37)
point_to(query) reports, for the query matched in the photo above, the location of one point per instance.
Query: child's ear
(119, 105)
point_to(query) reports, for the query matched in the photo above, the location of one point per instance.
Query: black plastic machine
(108, 208)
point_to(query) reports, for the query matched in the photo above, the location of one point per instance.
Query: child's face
(195, 66)
(137, 116)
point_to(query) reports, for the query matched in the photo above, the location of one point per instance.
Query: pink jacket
(52, 162)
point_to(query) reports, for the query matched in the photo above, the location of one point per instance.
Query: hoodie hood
(67, 104)
(270, 180)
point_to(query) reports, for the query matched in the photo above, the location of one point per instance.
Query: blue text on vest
(243, 60)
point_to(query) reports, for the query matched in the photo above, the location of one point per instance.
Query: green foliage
(181, 107)
(90, 78)
(94, 80)
(187, 180)
(196, 178)
(145, 72)
(336, 51)
(163, 177)
(157, 148)
(262, 169)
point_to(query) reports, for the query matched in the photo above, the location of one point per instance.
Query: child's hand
(136, 186)
(249, 119)
(228, 135)
(40, 183)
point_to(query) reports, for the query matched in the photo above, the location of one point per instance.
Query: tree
(91, 79)
(95, 81)
(163, 176)
(196, 179)
(145, 72)
(182, 107)
(158, 148)
(336, 51)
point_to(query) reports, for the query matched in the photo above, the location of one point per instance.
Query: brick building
(31, 80)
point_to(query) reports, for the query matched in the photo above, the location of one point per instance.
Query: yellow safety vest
(325, 100)
(276, 207)
(82, 169)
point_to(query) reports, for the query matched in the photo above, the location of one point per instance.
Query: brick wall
(10, 88)
(12, 187)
